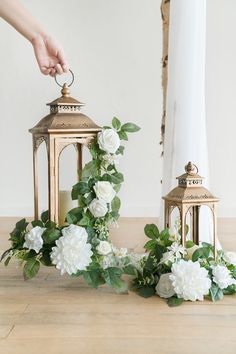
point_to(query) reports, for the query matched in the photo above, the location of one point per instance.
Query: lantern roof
(190, 188)
(65, 117)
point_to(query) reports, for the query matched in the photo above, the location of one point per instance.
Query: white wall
(114, 48)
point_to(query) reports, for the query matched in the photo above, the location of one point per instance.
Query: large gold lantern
(188, 198)
(65, 125)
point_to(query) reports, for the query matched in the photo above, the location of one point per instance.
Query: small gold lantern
(188, 197)
(65, 125)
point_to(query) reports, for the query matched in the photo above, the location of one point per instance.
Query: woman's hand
(50, 56)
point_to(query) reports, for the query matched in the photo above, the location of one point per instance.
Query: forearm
(17, 16)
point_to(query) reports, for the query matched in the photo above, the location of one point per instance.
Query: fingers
(45, 71)
(63, 61)
(59, 69)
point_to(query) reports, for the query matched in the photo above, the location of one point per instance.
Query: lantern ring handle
(72, 79)
(191, 168)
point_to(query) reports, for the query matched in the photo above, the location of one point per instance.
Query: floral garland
(177, 273)
(83, 247)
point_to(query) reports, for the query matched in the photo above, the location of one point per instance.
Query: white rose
(167, 258)
(108, 140)
(104, 191)
(230, 257)
(222, 276)
(98, 208)
(190, 251)
(164, 286)
(104, 248)
(33, 239)
(74, 230)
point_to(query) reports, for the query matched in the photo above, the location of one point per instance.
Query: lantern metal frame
(188, 197)
(64, 126)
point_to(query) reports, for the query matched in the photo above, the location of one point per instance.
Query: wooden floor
(60, 315)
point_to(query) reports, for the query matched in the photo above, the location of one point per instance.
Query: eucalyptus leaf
(112, 276)
(216, 293)
(130, 128)
(123, 135)
(151, 231)
(116, 123)
(115, 204)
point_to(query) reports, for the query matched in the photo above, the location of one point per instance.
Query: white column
(185, 136)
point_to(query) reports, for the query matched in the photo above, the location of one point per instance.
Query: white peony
(177, 249)
(164, 287)
(230, 257)
(190, 281)
(33, 239)
(222, 276)
(167, 258)
(98, 208)
(190, 251)
(72, 252)
(104, 248)
(108, 140)
(104, 191)
(111, 159)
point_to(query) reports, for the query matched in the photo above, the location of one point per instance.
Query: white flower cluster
(108, 141)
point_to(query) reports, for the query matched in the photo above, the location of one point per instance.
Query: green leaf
(117, 187)
(31, 268)
(5, 254)
(120, 150)
(216, 293)
(116, 123)
(115, 204)
(231, 289)
(90, 169)
(146, 291)
(45, 259)
(151, 231)
(37, 223)
(201, 252)
(122, 135)
(7, 261)
(130, 128)
(45, 216)
(21, 225)
(51, 235)
(190, 244)
(164, 235)
(174, 301)
(50, 224)
(74, 215)
(80, 188)
(112, 276)
(150, 245)
(117, 178)
(93, 278)
(130, 270)
(85, 221)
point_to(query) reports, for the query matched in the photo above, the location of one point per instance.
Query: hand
(49, 55)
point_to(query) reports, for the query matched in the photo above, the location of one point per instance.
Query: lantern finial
(65, 91)
(191, 169)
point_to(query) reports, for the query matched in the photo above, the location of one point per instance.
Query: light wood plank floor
(60, 315)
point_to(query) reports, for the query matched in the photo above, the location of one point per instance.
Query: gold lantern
(65, 125)
(188, 198)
